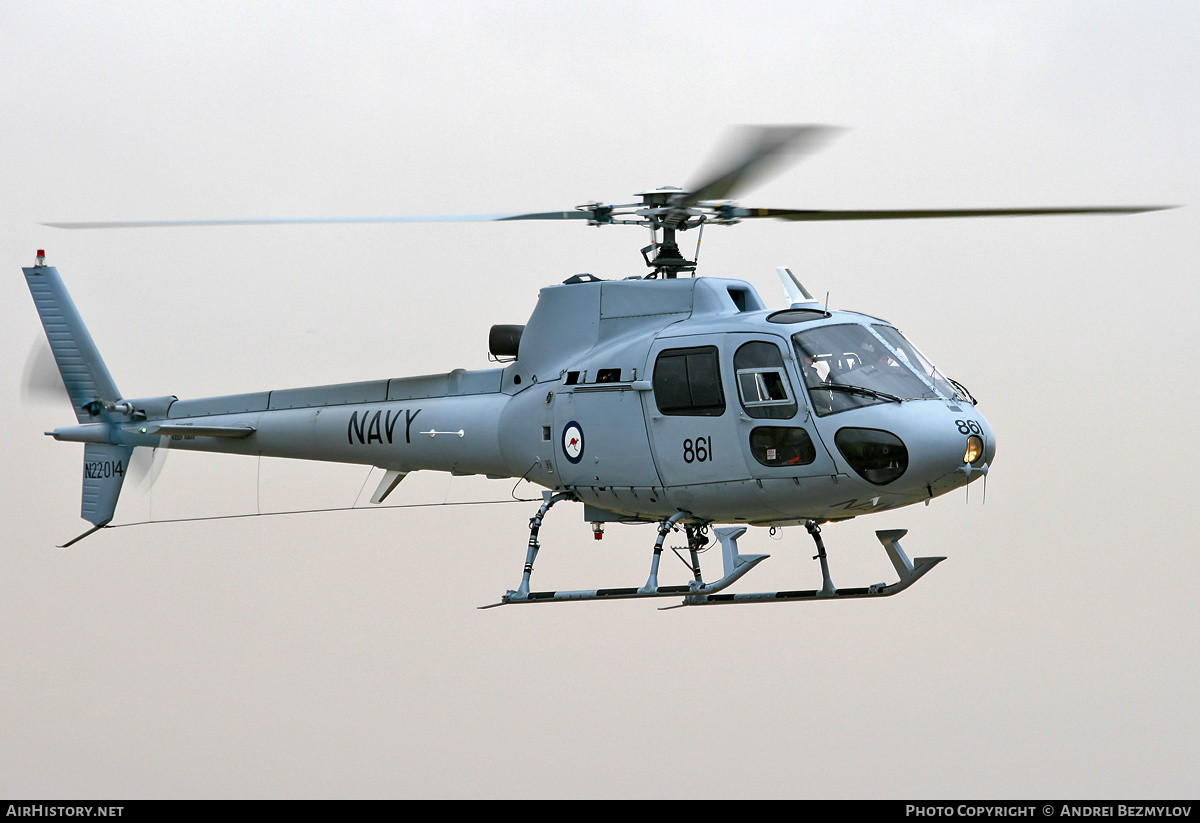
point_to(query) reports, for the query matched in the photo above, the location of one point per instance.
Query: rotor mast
(662, 209)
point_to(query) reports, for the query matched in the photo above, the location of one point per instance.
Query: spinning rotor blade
(754, 153)
(145, 466)
(266, 221)
(41, 382)
(916, 214)
(758, 151)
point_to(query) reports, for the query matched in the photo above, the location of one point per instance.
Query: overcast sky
(341, 655)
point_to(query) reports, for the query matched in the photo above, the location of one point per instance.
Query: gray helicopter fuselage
(642, 398)
(607, 348)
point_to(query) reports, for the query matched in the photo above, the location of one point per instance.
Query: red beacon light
(41, 257)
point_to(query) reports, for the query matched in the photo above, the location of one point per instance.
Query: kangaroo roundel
(572, 442)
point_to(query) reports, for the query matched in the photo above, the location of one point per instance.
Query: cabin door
(692, 412)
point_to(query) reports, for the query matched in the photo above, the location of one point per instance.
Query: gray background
(1053, 654)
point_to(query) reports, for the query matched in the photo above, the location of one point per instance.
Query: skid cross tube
(814, 530)
(664, 528)
(535, 525)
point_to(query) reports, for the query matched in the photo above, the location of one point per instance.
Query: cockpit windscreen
(847, 366)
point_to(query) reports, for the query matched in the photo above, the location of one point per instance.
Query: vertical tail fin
(104, 469)
(88, 382)
(90, 387)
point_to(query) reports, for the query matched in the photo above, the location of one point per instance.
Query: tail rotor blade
(41, 382)
(146, 465)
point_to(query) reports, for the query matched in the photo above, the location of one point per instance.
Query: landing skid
(910, 572)
(736, 565)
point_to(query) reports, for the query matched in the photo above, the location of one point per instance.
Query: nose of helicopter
(948, 448)
(919, 447)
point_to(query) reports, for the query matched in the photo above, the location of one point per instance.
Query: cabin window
(782, 446)
(763, 384)
(688, 382)
(797, 315)
(878, 456)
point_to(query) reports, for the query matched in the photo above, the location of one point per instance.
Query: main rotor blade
(916, 214)
(267, 221)
(758, 151)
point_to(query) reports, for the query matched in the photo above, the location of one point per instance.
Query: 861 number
(698, 450)
(968, 427)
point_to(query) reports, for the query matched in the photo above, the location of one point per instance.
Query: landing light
(974, 449)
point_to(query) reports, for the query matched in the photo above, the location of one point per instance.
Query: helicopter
(665, 399)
